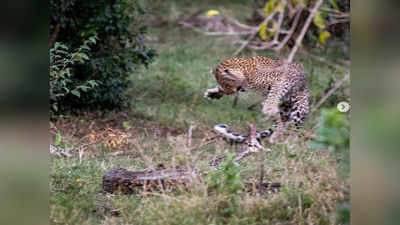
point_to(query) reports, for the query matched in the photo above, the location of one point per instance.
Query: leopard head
(230, 78)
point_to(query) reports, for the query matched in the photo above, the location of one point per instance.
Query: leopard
(283, 86)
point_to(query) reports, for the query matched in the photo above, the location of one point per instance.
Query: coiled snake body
(251, 142)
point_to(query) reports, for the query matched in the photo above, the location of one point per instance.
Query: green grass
(167, 97)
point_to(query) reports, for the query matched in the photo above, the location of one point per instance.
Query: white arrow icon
(343, 107)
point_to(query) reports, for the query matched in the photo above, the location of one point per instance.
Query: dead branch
(264, 45)
(334, 12)
(291, 31)
(324, 60)
(226, 33)
(268, 18)
(291, 11)
(330, 92)
(303, 31)
(54, 35)
(240, 25)
(280, 21)
(330, 23)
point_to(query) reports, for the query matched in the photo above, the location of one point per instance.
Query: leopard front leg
(281, 122)
(275, 111)
(274, 96)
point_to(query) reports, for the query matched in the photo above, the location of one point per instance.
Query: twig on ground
(205, 142)
(81, 152)
(261, 173)
(252, 106)
(235, 100)
(300, 205)
(146, 159)
(190, 131)
(121, 153)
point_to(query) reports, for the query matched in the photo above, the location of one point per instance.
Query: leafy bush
(227, 178)
(62, 82)
(281, 23)
(334, 130)
(118, 52)
(334, 134)
(227, 183)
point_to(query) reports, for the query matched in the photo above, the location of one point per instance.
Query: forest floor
(167, 100)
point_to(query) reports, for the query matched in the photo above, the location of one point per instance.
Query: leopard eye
(226, 71)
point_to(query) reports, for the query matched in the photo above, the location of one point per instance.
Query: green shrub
(227, 179)
(62, 81)
(119, 50)
(334, 134)
(334, 130)
(227, 184)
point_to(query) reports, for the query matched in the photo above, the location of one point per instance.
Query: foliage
(226, 182)
(63, 84)
(119, 50)
(334, 134)
(264, 34)
(323, 36)
(344, 211)
(227, 178)
(212, 13)
(334, 130)
(331, 20)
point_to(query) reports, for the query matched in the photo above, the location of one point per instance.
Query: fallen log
(132, 182)
(120, 180)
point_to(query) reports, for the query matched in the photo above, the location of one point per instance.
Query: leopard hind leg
(292, 111)
(300, 109)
